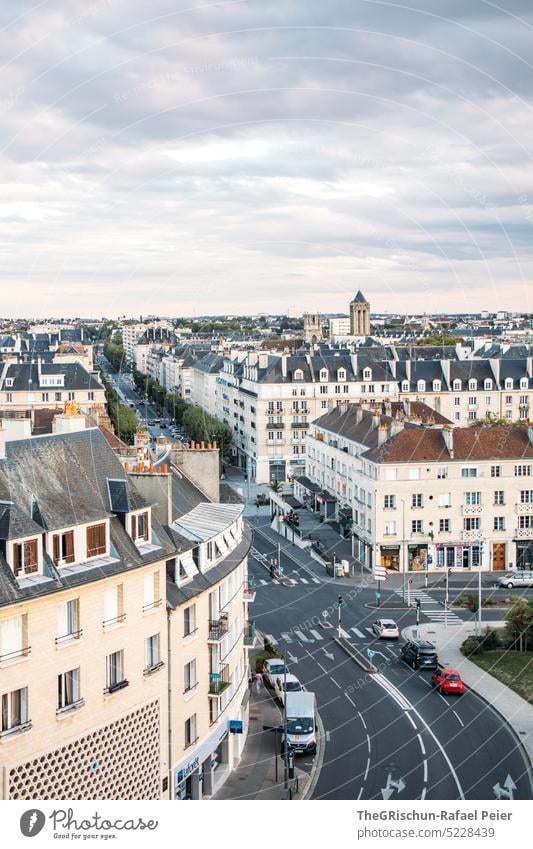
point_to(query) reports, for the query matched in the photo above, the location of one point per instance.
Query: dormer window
(324, 374)
(508, 382)
(487, 384)
(405, 386)
(436, 386)
(298, 374)
(457, 386)
(9, 381)
(523, 383)
(63, 548)
(341, 374)
(472, 384)
(26, 557)
(421, 386)
(367, 374)
(96, 540)
(140, 527)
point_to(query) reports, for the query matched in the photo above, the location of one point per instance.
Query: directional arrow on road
(291, 657)
(328, 654)
(387, 791)
(505, 792)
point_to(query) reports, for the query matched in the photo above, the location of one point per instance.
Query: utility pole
(479, 590)
(340, 602)
(403, 550)
(286, 746)
(446, 597)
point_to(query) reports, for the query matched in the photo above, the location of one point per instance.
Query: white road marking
(274, 581)
(393, 692)
(262, 582)
(302, 636)
(370, 631)
(423, 796)
(319, 664)
(362, 719)
(337, 685)
(458, 718)
(411, 720)
(368, 743)
(443, 699)
(316, 580)
(357, 632)
(360, 793)
(425, 680)
(345, 634)
(316, 635)
(422, 747)
(328, 737)
(366, 770)
(425, 771)
(349, 699)
(303, 580)
(392, 651)
(286, 638)
(271, 639)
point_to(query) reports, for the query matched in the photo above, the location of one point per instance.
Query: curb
(319, 760)
(356, 655)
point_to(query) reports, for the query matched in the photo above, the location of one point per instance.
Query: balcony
(472, 536)
(248, 594)
(249, 634)
(277, 412)
(524, 533)
(15, 655)
(272, 425)
(299, 425)
(218, 628)
(524, 509)
(472, 510)
(116, 620)
(219, 681)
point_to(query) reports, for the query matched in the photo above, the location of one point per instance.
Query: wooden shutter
(17, 558)
(145, 516)
(30, 555)
(55, 547)
(134, 527)
(69, 546)
(90, 542)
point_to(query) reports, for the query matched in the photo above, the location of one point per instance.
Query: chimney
(447, 435)
(284, 365)
(408, 370)
(396, 425)
(375, 419)
(407, 408)
(383, 433)
(445, 369)
(358, 414)
(387, 408)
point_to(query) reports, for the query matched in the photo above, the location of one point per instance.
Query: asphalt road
(390, 735)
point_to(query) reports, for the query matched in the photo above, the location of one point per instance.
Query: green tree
(519, 619)
(439, 339)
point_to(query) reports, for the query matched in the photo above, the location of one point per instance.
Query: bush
(490, 639)
(472, 645)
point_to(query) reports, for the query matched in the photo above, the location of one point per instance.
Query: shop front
(277, 471)
(458, 556)
(205, 769)
(345, 517)
(390, 557)
(417, 557)
(524, 554)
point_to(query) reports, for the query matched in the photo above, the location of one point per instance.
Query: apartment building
(427, 497)
(204, 386)
(42, 385)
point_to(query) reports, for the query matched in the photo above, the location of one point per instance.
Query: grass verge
(513, 669)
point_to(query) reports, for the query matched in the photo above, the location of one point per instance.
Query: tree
(439, 339)
(519, 618)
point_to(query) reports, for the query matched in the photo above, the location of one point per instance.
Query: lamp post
(478, 629)
(404, 552)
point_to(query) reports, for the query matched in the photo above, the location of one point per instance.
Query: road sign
(370, 653)
(380, 573)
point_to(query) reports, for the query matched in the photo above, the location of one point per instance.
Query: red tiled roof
(427, 444)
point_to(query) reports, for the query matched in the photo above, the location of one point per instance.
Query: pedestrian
(258, 682)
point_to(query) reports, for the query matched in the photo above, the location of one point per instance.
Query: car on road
(286, 684)
(516, 579)
(386, 629)
(448, 680)
(420, 654)
(272, 668)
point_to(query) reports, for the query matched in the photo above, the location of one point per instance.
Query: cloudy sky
(184, 157)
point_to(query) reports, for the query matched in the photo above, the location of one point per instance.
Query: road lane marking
(262, 582)
(425, 771)
(316, 635)
(411, 720)
(443, 699)
(362, 719)
(393, 692)
(303, 580)
(302, 636)
(370, 631)
(271, 639)
(422, 747)
(274, 581)
(316, 580)
(286, 638)
(458, 718)
(425, 680)
(360, 793)
(366, 770)
(345, 634)
(349, 699)
(337, 685)
(423, 796)
(328, 737)
(368, 744)
(322, 668)
(357, 632)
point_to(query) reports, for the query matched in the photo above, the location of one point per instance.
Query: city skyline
(241, 158)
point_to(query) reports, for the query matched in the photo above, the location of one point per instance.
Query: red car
(448, 680)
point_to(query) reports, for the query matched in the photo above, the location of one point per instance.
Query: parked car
(516, 579)
(286, 684)
(420, 654)
(272, 667)
(386, 629)
(301, 723)
(448, 680)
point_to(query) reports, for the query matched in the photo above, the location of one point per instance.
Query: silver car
(516, 579)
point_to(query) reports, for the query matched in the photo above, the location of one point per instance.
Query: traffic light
(418, 604)
(340, 601)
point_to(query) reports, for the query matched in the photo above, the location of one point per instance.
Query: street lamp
(404, 553)
(478, 630)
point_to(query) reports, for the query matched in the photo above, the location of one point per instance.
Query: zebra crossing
(313, 635)
(431, 608)
(262, 582)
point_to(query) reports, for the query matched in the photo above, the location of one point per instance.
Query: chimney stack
(383, 433)
(375, 419)
(447, 435)
(284, 365)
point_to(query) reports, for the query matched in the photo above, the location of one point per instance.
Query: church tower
(312, 327)
(359, 316)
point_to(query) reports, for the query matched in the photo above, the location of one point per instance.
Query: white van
(301, 722)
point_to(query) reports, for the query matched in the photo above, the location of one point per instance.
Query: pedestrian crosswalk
(291, 579)
(314, 635)
(431, 608)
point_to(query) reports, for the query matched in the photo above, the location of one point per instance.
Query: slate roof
(359, 298)
(26, 376)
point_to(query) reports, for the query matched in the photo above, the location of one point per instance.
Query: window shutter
(134, 527)
(90, 541)
(55, 548)
(145, 515)
(17, 558)
(69, 546)
(30, 556)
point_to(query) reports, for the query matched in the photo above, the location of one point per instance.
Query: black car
(420, 654)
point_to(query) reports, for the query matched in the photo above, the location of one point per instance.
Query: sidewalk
(255, 776)
(514, 709)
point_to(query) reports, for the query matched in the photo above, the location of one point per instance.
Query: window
(9, 397)
(367, 374)
(323, 390)
(495, 471)
(421, 386)
(151, 594)
(190, 731)
(522, 471)
(487, 384)
(499, 496)
(472, 384)
(437, 386)
(389, 502)
(90, 396)
(189, 620)
(499, 523)
(152, 653)
(68, 689)
(71, 396)
(279, 435)
(58, 396)
(405, 386)
(457, 386)
(525, 521)
(189, 676)
(457, 417)
(44, 396)
(271, 435)
(96, 540)
(472, 524)
(68, 620)
(390, 528)
(526, 496)
(346, 389)
(472, 401)
(13, 638)
(139, 527)
(417, 499)
(323, 404)
(508, 398)
(472, 416)
(14, 710)
(298, 374)
(442, 472)
(416, 526)
(508, 414)
(115, 671)
(488, 401)
(63, 548)
(25, 557)
(113, 606)
(445, 499)
(341, 374)
(469, 472)
(444, 526)
(472, 498)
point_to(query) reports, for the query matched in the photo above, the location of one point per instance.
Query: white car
(386, 629)
(286, 684)
(272, 667)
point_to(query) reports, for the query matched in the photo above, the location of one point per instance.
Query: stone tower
(359, 316)
(312, 327)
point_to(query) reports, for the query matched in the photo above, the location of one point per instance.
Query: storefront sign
(235, 726)
(184, 773)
